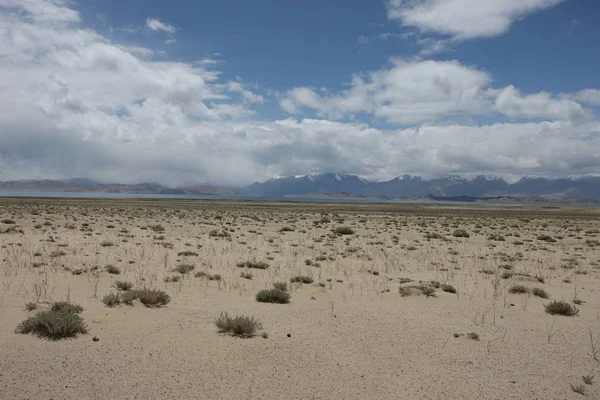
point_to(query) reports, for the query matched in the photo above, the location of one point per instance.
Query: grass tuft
(561, 308)
(53, 325)
(273, 296)
(241, 326)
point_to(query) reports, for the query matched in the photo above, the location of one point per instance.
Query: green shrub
(461, 233)
(518, 289)
(53, 325)
(561, 308)
(111, 300)
(66, 306)
(546, 238)
(435, 235)
(496, 237)
(280, 286)
(286, 229)
(157, 228)
(253, 264)
(506, 275)
(106, 243)
(153, 297)
(273, 296)
(30, 306)
(539, 292)
(428, 290)
(112, 269)
(302, 279)
(187, 253)
(448, 288)
(246, 275)
(128, 297)
(123, 285)
(184, 268)
(344, 230)
(241, 325)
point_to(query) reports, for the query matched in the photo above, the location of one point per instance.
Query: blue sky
(235, 91)
(282, 44)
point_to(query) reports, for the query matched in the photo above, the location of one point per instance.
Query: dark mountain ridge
(587, 187)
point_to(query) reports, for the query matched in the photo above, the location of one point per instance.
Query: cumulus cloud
(587, 96)
(73, 103)
(510, 102)
(464, 19)
(424, 90)
(156, 25)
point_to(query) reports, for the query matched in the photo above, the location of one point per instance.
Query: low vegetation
(241, 326)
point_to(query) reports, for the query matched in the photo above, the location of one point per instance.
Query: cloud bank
(74, 103)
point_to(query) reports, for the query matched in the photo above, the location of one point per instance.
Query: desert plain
(389, 301)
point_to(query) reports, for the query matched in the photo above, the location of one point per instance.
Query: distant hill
(344, 185)
(78, 185)
(416, 187)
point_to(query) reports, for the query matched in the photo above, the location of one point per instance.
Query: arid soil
(379, 320)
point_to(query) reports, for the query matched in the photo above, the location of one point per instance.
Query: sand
(348, 335)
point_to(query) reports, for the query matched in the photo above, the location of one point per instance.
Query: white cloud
(157, 25)
(419, 91)
(464, 19)
(73, 103)
(43, 11)
(587, 96)
(251, 97)
(510, 102)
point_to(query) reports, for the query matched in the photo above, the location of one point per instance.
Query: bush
(280, 286)
(448, 288)
(461, 233)
(273, 296)
(302, 279)
(187, 253)
(8, 221)
(246, 275)
(428, 290)
(184, 268)
(128, 297)
(30, 306)
(66, 306)
(253, 264)
(506, 275)
(123, 285)
(518, 289)
(496, 237)
(111, 300)
(106, 243)
(561, 308)
(435, 235)
(53, 325)
(153, 297)
(286, 229)
(539, 292)
(344, 230)
(112, 269)
(546, 238)
(241, 326)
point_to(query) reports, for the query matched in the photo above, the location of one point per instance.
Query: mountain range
(339, 185)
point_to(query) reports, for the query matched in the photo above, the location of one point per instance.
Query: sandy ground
(348, 335)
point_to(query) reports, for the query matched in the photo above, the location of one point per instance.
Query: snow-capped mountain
(414, 186)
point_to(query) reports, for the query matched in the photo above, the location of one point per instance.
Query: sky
(234, 91)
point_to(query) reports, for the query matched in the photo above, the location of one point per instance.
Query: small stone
(95, 339)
